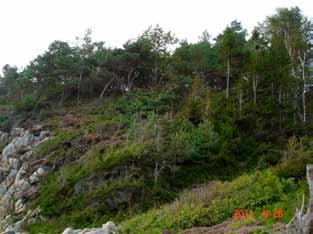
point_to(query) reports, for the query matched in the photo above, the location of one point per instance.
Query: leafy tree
(10, 80)
(54, 71)
(159, 42)
(91, 56)
(230, 46)
(199, 58)
(296, 32)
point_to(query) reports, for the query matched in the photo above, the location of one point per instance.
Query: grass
(205, 205)
(213, 203)
(56, 141)
(81, 211)
(96, 160)
(90, 207)
(127, 133)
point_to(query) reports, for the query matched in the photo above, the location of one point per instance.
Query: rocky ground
(19, 176)
(21, 172)
(108, 228)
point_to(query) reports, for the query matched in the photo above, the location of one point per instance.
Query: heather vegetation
(168, 134)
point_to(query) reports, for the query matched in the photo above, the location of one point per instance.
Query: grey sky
(29, 26)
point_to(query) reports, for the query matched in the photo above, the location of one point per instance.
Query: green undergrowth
(89, 191)
(96, 160)
(89, 209)
(56, 141)
(216, 202)
(138, 154)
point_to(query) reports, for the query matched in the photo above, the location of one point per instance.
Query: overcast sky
(29, 26)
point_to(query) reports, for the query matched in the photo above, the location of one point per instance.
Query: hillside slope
(122, 160)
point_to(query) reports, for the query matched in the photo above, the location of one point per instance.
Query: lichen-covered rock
(17, 228)
(16, 132)
(18, 176)
(20, 206)
(21, 144)
(4, 139)
(14, 163)
(108, 228)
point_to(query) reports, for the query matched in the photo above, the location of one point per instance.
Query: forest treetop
(274, 61)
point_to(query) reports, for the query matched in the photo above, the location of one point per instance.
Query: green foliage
(80, 211)
(60, 139)
(296, 157)
(4, 123)
(142, 101)
(161, 124)
(114, 156)
(194, 143)
(216, 203)
(66, 194)
(198, 104)
(50, 227)
(2, 119)
(27, 103)
(198, 58)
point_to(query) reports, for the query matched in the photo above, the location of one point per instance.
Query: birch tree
(296, 32)
(230, 44)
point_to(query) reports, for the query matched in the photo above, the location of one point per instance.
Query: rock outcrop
(19, 177)
(108, 228)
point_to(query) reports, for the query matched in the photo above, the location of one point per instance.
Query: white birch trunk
(302, 61)
(228, 75)
(254, 84)
(303, 224)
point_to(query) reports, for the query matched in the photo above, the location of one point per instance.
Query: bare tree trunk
(304, 102)
(130, 80)
(307, 219)
(302, 61)
(156, 78)
(255, 80)
(62, 97)
(228, 75)
(106, 87)
(240, 102)
(280, 108)
(156, 173)
(289, 50)
(157, 135)
(78, 85)
(303, 224)
(254, 84)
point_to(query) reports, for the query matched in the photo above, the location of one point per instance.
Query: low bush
(215, 202)
(298, 154)
(27, 103)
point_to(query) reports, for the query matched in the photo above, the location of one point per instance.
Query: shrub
(97, 160)
(213, 203)
(198, 105)
(141, 101)
(60, 139)
(295, 158)
(27, 103)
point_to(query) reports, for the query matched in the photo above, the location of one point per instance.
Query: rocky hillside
(136, 165)
(159, 137)
(20, 174)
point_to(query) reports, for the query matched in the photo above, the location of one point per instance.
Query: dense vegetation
(147, 122)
